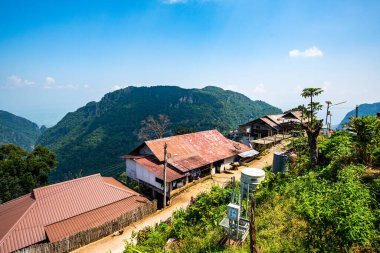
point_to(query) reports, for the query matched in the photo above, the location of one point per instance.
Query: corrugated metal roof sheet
(270, 123)
(50, 204)
(60, 230)
(249, 153)
(11, 212)
(296, 116)
(276, 118)
(190, 151)
(158, 169)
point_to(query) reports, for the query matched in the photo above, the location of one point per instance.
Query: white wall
(226, 163)
(137, 171)
(130, 168)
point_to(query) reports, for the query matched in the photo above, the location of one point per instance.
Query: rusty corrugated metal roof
(29, 215)
(298, 115)
(276, 118)
(190, 151)
(270, 123)
(157, 169)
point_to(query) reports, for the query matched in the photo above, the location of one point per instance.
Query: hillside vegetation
(332, 208)
(92, 138)
(22, 171)
(17, 130)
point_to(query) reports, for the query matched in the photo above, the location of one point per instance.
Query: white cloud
(259, 88)
(18, 81)
(117, 87)
(311, 52)
(70, 87)
(49, 80)
(174, 1)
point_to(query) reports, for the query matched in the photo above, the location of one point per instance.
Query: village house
(270, 125)
(190, 157)
(53, 213)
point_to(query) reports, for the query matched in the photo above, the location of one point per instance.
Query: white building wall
(226, 163)
(130, 168)
(137, 171)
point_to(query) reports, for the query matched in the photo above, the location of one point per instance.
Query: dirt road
(116, 244)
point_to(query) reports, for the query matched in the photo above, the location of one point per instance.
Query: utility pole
(165, 164)
(327, 114)
(356, 111)
(252, 227)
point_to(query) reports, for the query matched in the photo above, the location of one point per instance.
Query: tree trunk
(313, 150)
(312, 136)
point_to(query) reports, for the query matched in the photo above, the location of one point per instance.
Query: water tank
(280, 162)
(250, 179)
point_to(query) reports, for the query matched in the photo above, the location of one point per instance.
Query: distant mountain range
(92, 138)
(364, 110)
(17, 130)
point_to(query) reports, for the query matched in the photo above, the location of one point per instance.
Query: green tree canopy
(367, 138)
(21, 171)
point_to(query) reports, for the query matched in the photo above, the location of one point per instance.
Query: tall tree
(21, 171)
(152, 128)
(312, 126)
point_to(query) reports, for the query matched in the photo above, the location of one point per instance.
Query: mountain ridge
(18, 130)
(92, 138)
(364, 110)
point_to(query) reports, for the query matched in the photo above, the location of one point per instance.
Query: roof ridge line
(89, 211)
(182, 135)
(118, 188)
(66, 182)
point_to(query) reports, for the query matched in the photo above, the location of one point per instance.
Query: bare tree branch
(152, 128)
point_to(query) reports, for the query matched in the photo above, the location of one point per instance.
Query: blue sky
(56, 56)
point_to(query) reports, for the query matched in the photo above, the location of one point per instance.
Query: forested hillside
(92, 138)
(17, 130)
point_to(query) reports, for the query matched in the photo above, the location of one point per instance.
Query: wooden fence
(85, 237)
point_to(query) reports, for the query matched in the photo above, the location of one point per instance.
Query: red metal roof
(60, 230)
(154, 166)
(26, 218)
(11, 212)
(194, 150)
